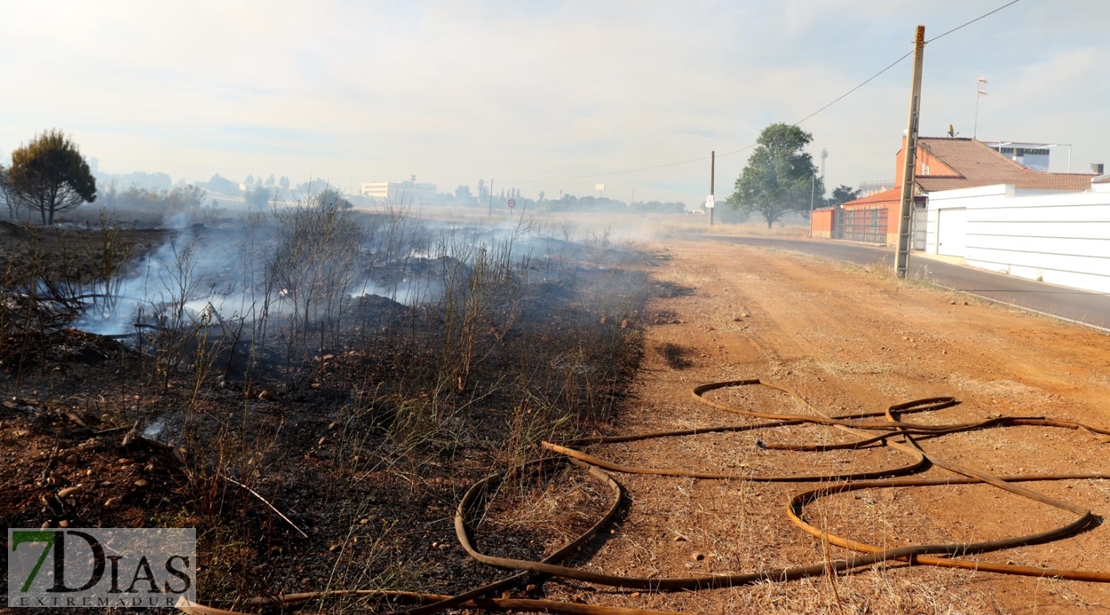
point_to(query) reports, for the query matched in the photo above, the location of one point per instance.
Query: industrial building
(408, 192)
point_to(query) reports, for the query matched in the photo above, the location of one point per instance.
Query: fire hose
(886, 428)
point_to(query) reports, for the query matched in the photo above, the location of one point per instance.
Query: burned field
(313, 390)
(328, 390)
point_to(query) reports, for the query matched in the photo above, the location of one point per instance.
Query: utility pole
(712, 181)
(491, 197)
(902, 257)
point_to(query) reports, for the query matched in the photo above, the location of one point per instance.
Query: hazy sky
(523, 91)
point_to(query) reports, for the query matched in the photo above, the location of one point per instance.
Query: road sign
(709, 202)
(512, 203)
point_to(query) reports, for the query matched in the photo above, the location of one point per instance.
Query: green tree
(329, 198)
(258, 197)
(843, 194)
(6, 193)
(49, 175)
(222, 185)
(184, 198)
(780, 177)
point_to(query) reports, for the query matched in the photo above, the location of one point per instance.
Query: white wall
(1056, 237)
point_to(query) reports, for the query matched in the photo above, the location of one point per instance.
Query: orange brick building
(943, 163)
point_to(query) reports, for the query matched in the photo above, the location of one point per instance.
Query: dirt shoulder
(849, 340)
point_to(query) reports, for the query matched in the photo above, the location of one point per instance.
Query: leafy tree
(779, 176)
(49, 175)
(184, 198)
(843, 194)
(6, 193)
(463, 195)
(311, 187)
(222, 185)
(258, 197)
(330, 198)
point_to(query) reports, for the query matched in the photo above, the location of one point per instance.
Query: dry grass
(362, 420)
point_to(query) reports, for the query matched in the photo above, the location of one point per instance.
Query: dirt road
(849, 340)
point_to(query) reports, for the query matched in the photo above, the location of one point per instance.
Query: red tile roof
(980, 165)
(894, 195)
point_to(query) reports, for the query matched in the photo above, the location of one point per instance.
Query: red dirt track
(850, 340)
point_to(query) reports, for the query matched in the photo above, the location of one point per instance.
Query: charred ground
(362, 422)
(368, 445)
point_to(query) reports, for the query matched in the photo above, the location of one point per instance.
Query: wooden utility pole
(902, 257)
(490, 196)
(712, 181)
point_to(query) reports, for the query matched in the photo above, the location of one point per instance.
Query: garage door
(952, 231)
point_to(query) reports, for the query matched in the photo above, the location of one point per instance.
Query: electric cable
(968, 23)
(808, 117)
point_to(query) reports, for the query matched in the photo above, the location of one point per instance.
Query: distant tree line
(138, 179)
(571, 203)
(171, 200)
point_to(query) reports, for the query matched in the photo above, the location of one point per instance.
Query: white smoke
(226, 273)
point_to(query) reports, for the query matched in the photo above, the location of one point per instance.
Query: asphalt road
(1079, 306)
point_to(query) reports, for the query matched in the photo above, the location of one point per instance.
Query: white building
(1033, 155)
(407, 192)
(1050, 236)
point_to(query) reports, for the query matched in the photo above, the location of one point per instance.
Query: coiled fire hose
(885, 427)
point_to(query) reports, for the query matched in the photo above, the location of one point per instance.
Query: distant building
(1033, 155)
(403, 192)
(875, 186)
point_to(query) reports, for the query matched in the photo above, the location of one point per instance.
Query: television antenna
(979, 93)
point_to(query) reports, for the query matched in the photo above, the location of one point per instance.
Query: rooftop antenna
(979, 93)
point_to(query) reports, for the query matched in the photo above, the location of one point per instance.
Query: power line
(810, 116)
(964, 25)
(849, 92)
(908, 54)
(737, 151)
